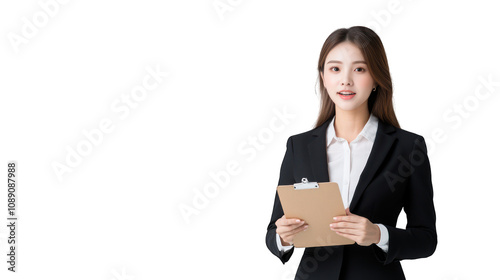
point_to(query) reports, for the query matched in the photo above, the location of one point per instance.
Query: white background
(117, 214)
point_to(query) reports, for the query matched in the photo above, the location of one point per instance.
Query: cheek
(365, 81)
(330, 80)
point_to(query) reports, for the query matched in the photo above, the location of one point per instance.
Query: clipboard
(316, 204)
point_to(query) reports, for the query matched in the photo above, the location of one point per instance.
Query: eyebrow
(354, 62)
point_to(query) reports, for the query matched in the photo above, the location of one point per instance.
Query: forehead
(345, 51)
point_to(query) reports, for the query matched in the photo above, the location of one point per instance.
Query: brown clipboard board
(316, 204)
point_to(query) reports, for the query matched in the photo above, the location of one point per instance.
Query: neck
(348, 124)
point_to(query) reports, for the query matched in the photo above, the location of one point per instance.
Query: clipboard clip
(305, 185)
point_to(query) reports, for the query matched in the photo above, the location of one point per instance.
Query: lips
(346, 93)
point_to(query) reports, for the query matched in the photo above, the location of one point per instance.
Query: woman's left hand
(356, 228)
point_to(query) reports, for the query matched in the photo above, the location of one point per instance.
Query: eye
(333, 68)
(362, 69)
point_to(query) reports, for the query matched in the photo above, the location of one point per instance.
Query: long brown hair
(380, 100)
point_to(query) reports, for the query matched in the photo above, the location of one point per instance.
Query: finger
(294, 221)
(295, 231)
(351, 218)
(342, 225)
(347, 219)
(292, 227)
(288, 228)
(347, 235)
(346, 225)
(299, 229)
(286, 222)
(349, 232)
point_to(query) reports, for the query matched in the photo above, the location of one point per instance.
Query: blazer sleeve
(419, 239)
(286, 178)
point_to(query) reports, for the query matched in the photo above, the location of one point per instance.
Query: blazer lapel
(317, 152)
(380, 150)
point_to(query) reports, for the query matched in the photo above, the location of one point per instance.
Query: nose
(346, 80)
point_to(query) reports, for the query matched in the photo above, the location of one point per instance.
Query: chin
(347, 108)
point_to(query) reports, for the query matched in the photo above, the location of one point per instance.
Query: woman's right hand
(288, 228)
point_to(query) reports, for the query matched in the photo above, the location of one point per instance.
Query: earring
(374, 88)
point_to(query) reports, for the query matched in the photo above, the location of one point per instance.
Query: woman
(380, 169)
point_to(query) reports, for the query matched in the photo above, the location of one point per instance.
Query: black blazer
(397, 175)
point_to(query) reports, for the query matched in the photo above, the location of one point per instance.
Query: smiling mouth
(346, 93)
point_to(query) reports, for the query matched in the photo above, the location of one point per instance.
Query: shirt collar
(369, 130)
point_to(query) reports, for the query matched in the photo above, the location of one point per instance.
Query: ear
(321, 73)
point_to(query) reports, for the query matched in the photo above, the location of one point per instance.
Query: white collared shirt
(346, 161)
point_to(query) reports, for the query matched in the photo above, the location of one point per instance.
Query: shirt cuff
(384, 238)
(280, 246)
